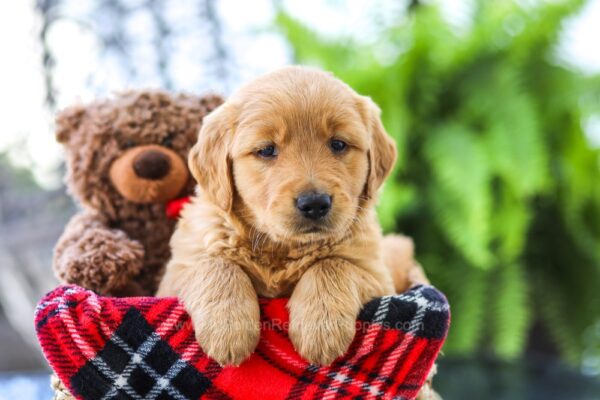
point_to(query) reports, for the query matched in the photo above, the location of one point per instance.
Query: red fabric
(75, 325)
(175, 206)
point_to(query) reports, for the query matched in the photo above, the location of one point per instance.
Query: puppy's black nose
(152, 164)
(314, 205)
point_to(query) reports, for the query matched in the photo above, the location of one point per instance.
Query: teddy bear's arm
(96, 257)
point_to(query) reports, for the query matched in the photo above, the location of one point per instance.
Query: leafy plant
(496, 180)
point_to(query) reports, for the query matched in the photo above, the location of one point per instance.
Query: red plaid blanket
(144, 348)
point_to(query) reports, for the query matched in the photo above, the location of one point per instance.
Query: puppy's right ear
(209, 160)
(68, 121)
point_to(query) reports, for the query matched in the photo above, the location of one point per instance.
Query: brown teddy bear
(126, 157)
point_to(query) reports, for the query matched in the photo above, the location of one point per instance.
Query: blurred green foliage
(496, 180)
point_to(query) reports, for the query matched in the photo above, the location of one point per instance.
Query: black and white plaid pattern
(137, 364)
(423, 312)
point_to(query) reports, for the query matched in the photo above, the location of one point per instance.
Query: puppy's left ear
(209, 160)
(382, 152)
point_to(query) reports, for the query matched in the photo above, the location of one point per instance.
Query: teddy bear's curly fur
(126, 156)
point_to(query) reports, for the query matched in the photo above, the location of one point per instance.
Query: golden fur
(242, 237)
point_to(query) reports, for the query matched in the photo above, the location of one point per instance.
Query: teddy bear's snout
(152, 164)
(149, 174)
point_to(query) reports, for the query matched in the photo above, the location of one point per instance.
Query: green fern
(510, 311)
(468, 312)
(459, 191)
(496, 180)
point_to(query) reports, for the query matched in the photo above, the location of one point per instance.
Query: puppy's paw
(321, 336)
(228, 335)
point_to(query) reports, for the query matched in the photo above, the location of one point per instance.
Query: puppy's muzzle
(314, 206)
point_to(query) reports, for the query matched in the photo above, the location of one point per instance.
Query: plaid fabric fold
(144, 348)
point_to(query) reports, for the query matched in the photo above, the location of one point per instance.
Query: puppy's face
(300, 151)
(300, 166)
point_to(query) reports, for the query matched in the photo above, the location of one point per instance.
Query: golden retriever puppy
(288, 171)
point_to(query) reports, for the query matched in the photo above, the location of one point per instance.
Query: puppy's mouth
(313, 229)
(301, 232)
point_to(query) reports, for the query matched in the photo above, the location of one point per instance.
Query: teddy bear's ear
(68, 121)
(211, 101)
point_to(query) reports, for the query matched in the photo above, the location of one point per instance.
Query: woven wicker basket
(60, 390)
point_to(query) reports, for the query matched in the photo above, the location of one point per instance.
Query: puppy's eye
(337, 146)
(269, 151)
